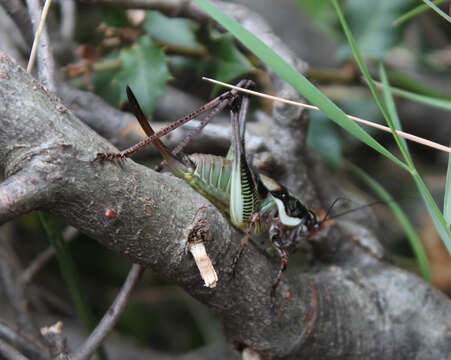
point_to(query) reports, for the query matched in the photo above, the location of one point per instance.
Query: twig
(56, 341)
(45, 58)
(7, 352)
(9, 274)
(68, 15)
(111, 316)
(19, 196)
(44, 257)
(27, 344)
(18, 13)
(362, 121)
(168, 7)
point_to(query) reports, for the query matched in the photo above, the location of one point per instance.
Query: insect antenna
(328, 217)
(331, 207)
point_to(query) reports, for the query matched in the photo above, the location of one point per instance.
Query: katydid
(254, 202)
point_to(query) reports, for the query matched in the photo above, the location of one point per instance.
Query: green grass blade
(434, 211)
(415, 242)
(437, 217)
(70, 275)
(417, 86)
(370, 81)
(426, 100)
(391, 107)
(297, 80)
(447, 200)
(437, 10)
(416, 11)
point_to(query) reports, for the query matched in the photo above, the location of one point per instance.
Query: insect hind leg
(151, 135)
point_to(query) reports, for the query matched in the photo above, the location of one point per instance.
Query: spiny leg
(196, 131)
(275, 234)
(152, 136)
(284, 261)
(246, 84)
(243, 190)
(244, 197)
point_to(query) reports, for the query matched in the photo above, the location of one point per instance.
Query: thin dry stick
(111, 316)
(34, 49)
(23, 342)
(10, 353)
(405, 135)
(44, 257)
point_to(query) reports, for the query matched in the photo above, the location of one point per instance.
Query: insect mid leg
(255, 218)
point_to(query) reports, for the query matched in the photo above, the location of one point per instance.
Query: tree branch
(7, 352)
(9, 275)
(45, 256)
(18, 13)
(21, 193)
(56, 341)
(27, 344)
(112, 316)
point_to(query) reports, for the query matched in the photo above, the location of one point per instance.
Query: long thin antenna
(403, 134)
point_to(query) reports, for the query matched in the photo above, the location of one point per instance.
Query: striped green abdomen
(211, 178)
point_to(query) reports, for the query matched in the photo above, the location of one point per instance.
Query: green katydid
(254, 202)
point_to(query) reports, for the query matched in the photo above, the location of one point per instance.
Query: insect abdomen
(211, 178)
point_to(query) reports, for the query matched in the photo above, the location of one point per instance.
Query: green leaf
(297, 80)
(321, 13)
(371, 21)
(173, 31)
(102, 81)
(229, 63)
(115, 17)
(144, 69)
(415, 12)
(437, 10)
(415, 242)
